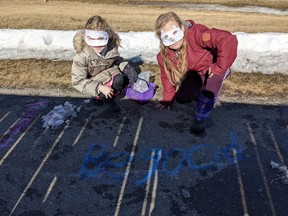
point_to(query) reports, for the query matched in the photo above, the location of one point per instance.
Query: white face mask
(96, 38)
(171, 37)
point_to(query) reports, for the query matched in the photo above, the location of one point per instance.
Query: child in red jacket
(194, 61)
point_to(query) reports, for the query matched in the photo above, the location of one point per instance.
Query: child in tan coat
(98, 70)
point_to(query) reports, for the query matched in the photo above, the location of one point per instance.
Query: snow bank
(262, 52)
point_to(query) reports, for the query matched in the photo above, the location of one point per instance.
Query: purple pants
(193, 84)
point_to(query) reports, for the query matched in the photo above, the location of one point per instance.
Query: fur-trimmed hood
(78, 41)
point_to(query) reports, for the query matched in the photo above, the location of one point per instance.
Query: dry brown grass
(46, 74)
(256, 84)
(68, 15)
(35, 73)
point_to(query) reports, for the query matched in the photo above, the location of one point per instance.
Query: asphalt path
(140, 161)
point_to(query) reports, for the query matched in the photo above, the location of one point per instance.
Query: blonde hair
(178, 73)
(99, 23)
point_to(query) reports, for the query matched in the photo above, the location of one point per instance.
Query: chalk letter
(156, 159)
(180, 163)
(93, 161)
(109, 164)
(228, 153)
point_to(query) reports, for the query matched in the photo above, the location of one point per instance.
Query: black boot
(97, 102)
(198, 126)
(112, 105)
(93, 104)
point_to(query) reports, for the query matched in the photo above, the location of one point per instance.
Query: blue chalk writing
(179, 165)
(93, 161)
(98, 160)
(228, 154)
(110, 165)
(156, 160)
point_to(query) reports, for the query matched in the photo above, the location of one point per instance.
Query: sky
(258, 52)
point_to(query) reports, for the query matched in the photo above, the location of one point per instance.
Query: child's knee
(118, 82)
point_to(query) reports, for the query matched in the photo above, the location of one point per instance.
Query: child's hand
(106, 90)
(210, 72)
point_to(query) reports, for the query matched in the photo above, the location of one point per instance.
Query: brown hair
(99, 23)
(178, 74)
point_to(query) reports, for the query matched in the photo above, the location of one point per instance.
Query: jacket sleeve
(225, 43)
(80, 80)
(169, 90)
(121, 63)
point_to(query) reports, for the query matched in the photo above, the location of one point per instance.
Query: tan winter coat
(89, 70)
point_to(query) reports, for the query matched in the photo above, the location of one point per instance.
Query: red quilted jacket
(205, 48)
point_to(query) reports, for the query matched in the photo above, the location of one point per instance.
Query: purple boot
(204, 106)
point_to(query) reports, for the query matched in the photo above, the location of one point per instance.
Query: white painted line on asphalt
(40, 167)
(271, 205)
(49, 189)
(82, 130)
(5, 116)
(6, 132)
(38, 138)
(148, 184)
(240, 181)
(155, 185)
(119, 132)
(18, 140)
(128, 167)
(154, 190)
(276, 145)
